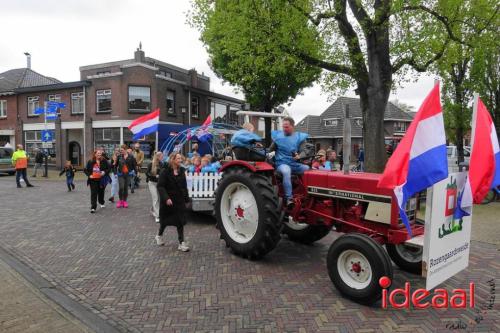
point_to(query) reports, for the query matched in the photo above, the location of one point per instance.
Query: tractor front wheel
(305, 233)
(408, 258)
(248, 213)
(355, 264)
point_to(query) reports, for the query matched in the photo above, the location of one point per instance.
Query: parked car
(6, 161)
(452, 153)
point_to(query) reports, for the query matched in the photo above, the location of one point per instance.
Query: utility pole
(347, 141)
(47, 150)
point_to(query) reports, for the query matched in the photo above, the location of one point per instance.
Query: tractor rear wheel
(305, 233)
(355, 264)
(408, 258)
(248, 213)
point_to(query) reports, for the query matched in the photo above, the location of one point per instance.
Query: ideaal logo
(440, 297)
(450, 226)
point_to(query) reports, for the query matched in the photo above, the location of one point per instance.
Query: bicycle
(491, 196)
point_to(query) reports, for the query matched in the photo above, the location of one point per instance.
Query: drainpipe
(84, 125)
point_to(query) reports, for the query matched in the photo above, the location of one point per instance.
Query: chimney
(193, 75)
(28, 60)
(139, 55)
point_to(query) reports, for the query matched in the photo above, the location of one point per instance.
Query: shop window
(77, 103)
(33, 103)
(139, 99)
(170, 101)
(103, 100)
(3, 109)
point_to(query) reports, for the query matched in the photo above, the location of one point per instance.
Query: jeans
(69, 183)
(114, 184)
(36, 167)
(131, 181)
(155, 198)
(123, 187)
(21, 173)
(96, 193)
(287, 171)
(180, 231)
(362, 166)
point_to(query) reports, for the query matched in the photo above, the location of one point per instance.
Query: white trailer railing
(202, 185)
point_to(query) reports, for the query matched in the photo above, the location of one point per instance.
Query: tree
(464, 64)
(371, 48)
(233, 32)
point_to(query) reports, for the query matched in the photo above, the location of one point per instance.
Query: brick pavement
(25, 309)
(109, 263)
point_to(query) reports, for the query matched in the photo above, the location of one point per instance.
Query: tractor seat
(249, 154)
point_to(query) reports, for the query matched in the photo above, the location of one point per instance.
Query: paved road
(108, 262)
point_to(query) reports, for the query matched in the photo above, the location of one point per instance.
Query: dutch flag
(420, 159)
(484, 163)
(145, 125)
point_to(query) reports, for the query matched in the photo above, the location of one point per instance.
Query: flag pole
(473, 120)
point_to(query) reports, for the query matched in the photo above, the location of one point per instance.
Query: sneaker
(19, 186)
(103, 206)
(290, 203)
(119, 204)
(183, 247)
(157, 219)
(159, 240)
(125, 204)
(92, 211)
(73, 186)
(132, 190)
(111, 199)
(29, 185)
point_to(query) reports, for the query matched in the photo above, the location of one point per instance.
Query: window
(77, 103)
(218, 112)
(138, 99)
(400, 126)
(104, 100)
(33, 140)
(195, 107)
(331, 122)
(170, 101)
(166, 74)
(358, 122)
(107, 134)
(32, 105)
(55, 98)
(103, 73)
(3, 109)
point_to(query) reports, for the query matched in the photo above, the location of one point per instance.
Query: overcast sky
(64, 35)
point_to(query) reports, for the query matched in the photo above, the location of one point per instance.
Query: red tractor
(251, 219)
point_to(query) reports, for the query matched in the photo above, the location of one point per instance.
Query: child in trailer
(69, 170)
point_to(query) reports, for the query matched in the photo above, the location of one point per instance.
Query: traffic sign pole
(47, 152)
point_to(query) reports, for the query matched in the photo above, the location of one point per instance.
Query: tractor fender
(252, 166)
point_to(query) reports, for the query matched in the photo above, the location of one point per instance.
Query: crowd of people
(166, 176)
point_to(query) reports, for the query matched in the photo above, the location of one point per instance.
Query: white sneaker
(159, 240)
(103, 206)
(157, 219)
(183, 247)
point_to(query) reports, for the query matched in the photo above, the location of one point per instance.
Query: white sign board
(46, 145)
(446, 240)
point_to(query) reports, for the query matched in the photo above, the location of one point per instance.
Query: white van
(452, 153)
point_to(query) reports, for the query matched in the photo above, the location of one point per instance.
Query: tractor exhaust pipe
(346, 142)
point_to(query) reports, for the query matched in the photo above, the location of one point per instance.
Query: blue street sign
(52, 109)
(51, 116)
(39, 111)
(57, 104)
(47, 135)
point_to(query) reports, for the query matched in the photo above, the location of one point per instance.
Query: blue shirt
(286, 145)
(244, 138)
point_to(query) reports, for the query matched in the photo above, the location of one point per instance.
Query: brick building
(100, 107)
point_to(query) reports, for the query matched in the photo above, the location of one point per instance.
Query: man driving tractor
(287, 145)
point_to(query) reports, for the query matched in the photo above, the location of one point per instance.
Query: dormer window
(331, 122)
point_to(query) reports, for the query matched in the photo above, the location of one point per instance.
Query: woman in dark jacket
(124, 164)
(173, 192)
(97, 171)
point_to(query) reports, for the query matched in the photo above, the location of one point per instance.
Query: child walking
(69, 170)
